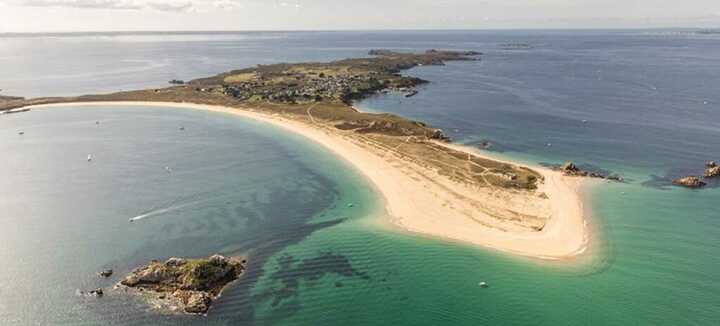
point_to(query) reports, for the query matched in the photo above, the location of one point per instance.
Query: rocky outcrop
(438, 134)
(189, 285)
(712, 170)
(570, 169)
(689, 182)
(411, 94)
(196, 302)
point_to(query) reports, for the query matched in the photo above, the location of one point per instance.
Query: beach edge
(565, 236)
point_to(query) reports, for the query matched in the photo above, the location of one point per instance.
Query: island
(184, 285)
(430, 186)
(689, 182)
(712, 171)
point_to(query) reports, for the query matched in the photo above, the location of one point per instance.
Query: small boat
(483, 285)
(584, 121)
(350, 205)
(21, 133)
(182, 128)
(168, 169)
(89, 157)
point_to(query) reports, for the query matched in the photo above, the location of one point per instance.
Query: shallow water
(651, 107)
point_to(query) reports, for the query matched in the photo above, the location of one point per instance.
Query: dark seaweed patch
(289, 274)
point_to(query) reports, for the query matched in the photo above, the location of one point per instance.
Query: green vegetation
(201, 274)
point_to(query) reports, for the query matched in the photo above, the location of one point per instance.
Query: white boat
(90, 157)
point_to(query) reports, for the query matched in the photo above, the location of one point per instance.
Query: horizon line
(219, 31)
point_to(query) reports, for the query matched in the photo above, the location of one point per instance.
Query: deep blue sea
(644, 104)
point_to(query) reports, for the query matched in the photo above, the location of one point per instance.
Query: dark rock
(438, 134)
(689, 182)
(615, 178)
(569, 167)
(97, 292)
(712, 170)
(485, 144)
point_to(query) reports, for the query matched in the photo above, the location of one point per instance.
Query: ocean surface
(643, 104)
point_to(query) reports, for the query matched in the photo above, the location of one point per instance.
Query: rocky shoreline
(572, 170)
(712, 170)
(184, 285)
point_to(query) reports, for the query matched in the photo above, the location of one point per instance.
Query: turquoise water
(233, 187)
(237, 186)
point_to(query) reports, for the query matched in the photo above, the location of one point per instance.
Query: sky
(168, 15)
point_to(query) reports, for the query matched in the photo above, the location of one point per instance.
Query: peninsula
(430, 187)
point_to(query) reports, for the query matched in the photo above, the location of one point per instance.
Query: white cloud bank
(169, 5)
(89, 4)
(97, 15)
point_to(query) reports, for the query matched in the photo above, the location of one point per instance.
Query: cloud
(172, 6)
(159, 5)
(227, 4)
(91, 4)
(284, 4)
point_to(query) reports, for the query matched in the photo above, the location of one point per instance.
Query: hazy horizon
(56, 16)
(199, 31)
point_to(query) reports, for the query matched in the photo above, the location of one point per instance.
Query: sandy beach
(421, 201)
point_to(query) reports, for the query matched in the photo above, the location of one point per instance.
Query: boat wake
(161, 211)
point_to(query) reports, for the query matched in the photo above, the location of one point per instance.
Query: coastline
(417, 203)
